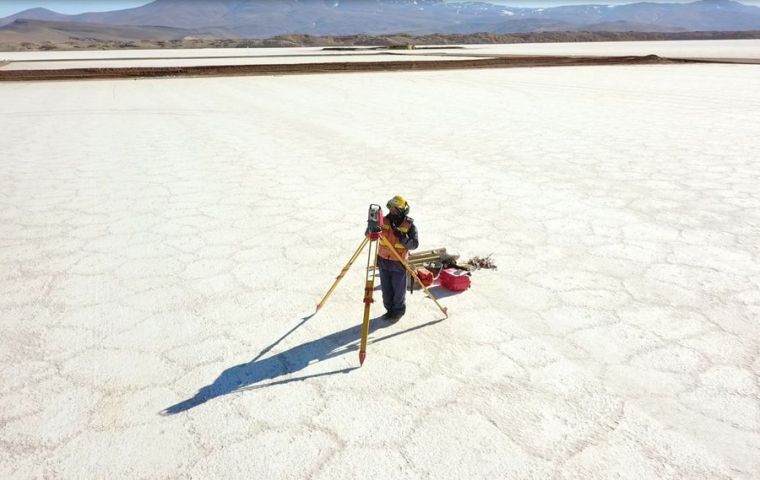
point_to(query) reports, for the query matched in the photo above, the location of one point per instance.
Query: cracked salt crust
(158, 237)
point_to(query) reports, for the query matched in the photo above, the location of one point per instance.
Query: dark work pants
(393, 279)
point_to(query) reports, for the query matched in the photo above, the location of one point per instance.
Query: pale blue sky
(9, 7)
(557, 3)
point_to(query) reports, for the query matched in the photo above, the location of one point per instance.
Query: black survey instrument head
(374, 219)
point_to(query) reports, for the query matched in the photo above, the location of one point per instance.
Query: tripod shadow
(248, 376)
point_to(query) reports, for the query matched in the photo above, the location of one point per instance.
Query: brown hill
(30, 36)
(43, 32)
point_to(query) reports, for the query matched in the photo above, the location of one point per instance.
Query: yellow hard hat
(399, 202)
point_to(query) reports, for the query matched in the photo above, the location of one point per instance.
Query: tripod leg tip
(362, 356)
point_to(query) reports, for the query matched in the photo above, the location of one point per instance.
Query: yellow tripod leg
(369, 287)
(413, 274)
(343, 272)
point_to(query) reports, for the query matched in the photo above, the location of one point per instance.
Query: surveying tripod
(373, 237)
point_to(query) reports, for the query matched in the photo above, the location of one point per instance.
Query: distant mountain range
(266, 18)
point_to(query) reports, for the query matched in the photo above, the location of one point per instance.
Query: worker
(401, 233)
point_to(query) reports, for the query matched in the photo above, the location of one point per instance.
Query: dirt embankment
(312, 68)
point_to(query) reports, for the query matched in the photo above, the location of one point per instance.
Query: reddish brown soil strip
(310, 68)
(745, 61)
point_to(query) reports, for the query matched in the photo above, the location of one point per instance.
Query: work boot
(391, 317)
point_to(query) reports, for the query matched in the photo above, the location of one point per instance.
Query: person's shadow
(248, 376)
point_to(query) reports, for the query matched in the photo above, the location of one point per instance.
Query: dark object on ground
(476, 263)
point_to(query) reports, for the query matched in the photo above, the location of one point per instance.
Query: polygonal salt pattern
(163, 242)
